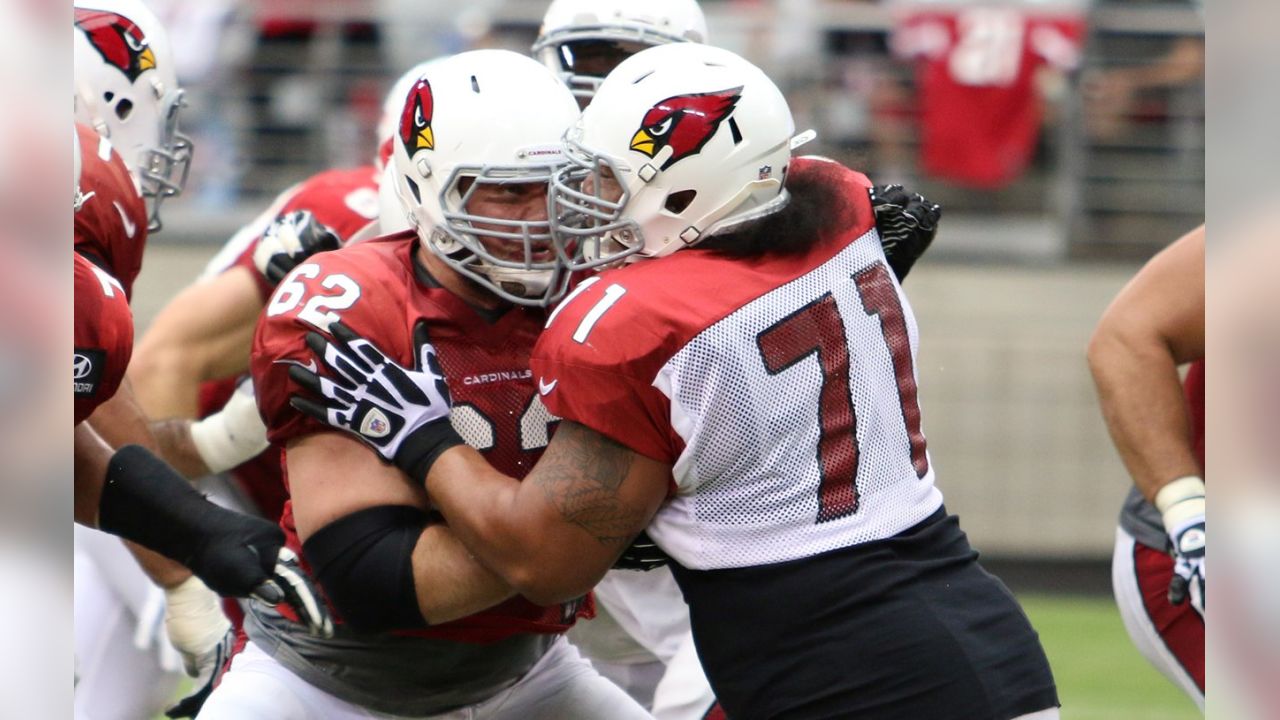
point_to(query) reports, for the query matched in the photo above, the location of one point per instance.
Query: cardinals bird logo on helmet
(415, 123)
(119, 40)
(685, 123)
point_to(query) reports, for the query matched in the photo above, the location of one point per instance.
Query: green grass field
(1100, 674)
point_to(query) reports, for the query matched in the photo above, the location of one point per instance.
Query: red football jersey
(781, 389)
(980, 110)
(111, 227)
(346, 201)
(378, 289)
(103, 336)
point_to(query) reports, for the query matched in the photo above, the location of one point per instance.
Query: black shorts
(909, 628)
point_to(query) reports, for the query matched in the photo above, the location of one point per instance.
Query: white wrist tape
(232, 435)
(193, 619)
(1181, 502)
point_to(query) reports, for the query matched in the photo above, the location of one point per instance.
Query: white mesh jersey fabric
(748, 481)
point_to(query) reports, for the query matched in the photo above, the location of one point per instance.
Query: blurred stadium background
(1006, 299)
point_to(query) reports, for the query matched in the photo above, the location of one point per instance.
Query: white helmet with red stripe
(582, 40)
(682, 142)
(485, 118)
(126, 88)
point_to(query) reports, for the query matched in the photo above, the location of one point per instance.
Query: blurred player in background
(1154, 326)
(132, 158)
(710, 397)
(132, 494)
(475, 148)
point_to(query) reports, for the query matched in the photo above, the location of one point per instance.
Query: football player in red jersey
(127, 97)
(1155, 325)
(477, 143)
(745, 391)
(188, 363)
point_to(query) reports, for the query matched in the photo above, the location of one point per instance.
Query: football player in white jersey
(743, 389)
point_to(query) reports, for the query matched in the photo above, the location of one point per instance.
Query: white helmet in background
(579, 36)
(682, 142)
(126, 88)
(393, 106)
(477, 119)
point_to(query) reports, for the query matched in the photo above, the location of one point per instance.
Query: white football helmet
(393, 106)
(572, 28)
(126, 88)
(682, 142)
(477, 119)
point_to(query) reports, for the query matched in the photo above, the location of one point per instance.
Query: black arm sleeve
(148, 502)
(364, 564)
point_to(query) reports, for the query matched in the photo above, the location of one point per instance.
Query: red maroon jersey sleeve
(344, 200)
(111, 226)
(103, 337)
(598, 370)
(368, 296)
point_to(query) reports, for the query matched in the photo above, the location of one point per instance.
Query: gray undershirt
(391, 674)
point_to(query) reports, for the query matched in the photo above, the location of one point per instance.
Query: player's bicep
(204, 333)
(598, 493)
(332, 475)
(1163, 304)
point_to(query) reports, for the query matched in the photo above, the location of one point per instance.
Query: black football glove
(906, 223)
(642, 554)
(252, 561)
(289, 240)
(402, 413)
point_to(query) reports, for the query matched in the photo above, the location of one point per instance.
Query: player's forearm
(484, 512)
(176, 447)
(1142, 402)
(163, 572)
(92, 455)
(450, 583)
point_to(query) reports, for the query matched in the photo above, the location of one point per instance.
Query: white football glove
(402, 413)
(1182, 505)
(201, 633)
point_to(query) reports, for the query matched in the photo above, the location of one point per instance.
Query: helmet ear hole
(124, 109)
(678, 202)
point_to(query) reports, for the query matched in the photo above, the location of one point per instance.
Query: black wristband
(422, 448)
(364, 564)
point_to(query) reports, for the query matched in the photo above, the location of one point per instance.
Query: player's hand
(402, 413)
(248, 558)
(1181, 503)
(642, 554)
(289, 240)
(1189, 564)
(200, 632)
(906, 223)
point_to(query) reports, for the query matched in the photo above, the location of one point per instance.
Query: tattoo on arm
(580, 475)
